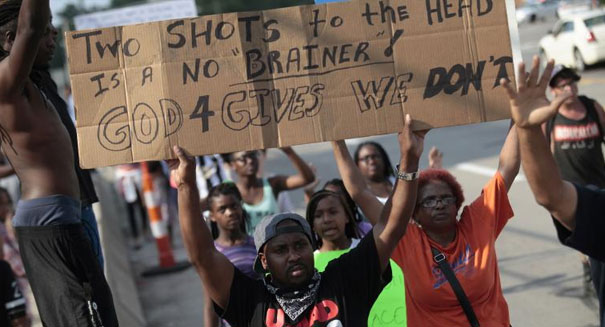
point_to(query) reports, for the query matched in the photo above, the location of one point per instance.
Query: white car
(576, 42)
(535, 10)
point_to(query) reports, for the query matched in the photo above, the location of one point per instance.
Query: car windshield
(595, 21)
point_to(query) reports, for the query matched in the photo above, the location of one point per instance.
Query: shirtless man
(66, 279)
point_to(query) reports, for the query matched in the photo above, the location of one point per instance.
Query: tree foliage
(206, 7)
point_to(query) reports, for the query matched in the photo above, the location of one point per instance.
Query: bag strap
(439, 259)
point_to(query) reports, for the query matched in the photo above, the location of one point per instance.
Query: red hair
(442, 175)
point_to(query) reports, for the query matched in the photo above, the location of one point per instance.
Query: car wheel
(579, 60)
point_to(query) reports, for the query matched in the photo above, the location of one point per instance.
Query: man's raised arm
(530, 108)
(214, 269)
(33, 23)
(396, 214)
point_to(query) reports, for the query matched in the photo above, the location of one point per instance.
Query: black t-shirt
(12, 302)
(577, 146)
(589, 235)
(349, 286)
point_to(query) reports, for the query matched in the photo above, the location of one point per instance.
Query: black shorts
(66, 279)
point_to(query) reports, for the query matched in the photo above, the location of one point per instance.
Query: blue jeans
(89, 222)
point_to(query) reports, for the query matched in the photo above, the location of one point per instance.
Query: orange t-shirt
(429, 297)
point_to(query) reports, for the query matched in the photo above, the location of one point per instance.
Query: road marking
(483, 171)
(529, 46)
(591, 81)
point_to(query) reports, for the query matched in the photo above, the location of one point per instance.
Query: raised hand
(435, 158)
(182, 169)
(310, 189)
(529, 105)
(411, 143)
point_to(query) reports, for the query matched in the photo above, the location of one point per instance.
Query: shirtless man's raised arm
(66, 279)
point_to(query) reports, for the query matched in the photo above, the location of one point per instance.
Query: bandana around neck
(294, 303)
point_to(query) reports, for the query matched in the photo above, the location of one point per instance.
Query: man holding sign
(292, 292)
(66, 279)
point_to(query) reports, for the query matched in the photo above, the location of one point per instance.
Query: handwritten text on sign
(306, 74)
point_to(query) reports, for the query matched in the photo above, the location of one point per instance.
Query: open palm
(529, 105)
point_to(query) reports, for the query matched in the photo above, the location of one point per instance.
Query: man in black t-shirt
(575, 132)
(576, 138)
(12, 301)
(341, 296)
(293, 293)
(578, 212)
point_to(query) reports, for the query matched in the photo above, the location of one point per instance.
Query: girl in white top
(260, 194)
(332, 222)
(375, 166)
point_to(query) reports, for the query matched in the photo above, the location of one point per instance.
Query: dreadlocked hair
(9, 12)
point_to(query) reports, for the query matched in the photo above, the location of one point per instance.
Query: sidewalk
(170, 300)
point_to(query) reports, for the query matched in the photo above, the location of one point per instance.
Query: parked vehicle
(569, 8)
(576, 42)
(534, 10)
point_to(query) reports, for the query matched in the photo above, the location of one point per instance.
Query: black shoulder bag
(451, 278)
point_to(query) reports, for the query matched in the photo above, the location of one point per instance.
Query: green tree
(206, 7)
(125, 3)
(67, 18)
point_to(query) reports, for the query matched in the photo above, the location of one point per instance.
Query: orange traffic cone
(159, 229)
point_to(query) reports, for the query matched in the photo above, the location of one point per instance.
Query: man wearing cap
(576, 132)
(292, 292)
(577, 211)
(575, 135)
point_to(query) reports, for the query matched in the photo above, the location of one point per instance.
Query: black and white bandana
(294, 303)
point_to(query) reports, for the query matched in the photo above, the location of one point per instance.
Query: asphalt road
(541, 279)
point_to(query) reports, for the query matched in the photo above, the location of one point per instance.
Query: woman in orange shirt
(468, 244)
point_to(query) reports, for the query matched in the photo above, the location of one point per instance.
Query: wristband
(406, 176)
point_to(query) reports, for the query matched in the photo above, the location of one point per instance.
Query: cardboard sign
(253, 80)
(151, 12)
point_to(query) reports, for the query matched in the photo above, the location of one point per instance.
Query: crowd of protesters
(377, 237)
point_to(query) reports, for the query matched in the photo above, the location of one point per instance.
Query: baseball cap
(561, 71)
(267, 229)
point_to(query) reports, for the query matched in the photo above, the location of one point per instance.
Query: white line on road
(530, 47)
(483, 171)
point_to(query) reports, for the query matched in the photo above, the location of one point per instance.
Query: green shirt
(389, 309)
